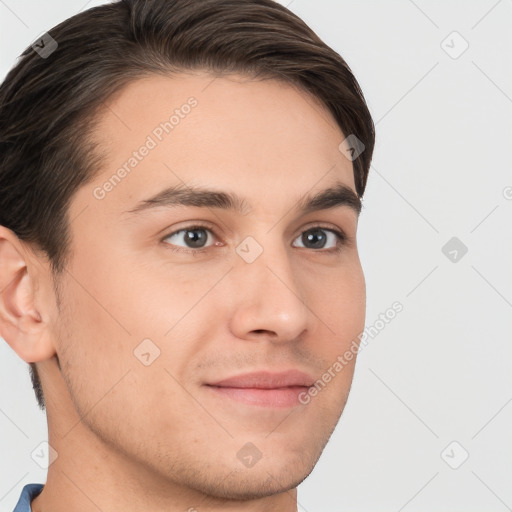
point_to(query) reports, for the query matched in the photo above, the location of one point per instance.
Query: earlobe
(21, 324)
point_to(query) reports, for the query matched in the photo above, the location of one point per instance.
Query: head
(122, 279)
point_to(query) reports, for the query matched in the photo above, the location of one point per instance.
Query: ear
(21, 324)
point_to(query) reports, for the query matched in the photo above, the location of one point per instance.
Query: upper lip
(266, 380)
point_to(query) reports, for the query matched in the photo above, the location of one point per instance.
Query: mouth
(264, 389)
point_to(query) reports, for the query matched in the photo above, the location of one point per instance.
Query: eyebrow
(336, 196)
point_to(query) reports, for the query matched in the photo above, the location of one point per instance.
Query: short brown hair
(48, 105)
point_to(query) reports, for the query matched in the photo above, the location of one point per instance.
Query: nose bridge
(269, 295)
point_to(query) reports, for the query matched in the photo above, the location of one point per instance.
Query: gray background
(440, 371)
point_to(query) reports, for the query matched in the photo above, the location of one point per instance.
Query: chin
(270, 475)
(246, 484)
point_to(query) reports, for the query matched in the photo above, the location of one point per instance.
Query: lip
(264, 388)
(266, 380)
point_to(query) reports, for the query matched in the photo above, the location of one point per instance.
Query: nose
(269, 302)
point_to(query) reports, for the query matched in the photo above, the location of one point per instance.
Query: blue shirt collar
(28, 493)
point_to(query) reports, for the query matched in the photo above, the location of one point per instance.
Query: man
(180, 185)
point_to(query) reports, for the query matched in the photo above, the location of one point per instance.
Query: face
(164, 300)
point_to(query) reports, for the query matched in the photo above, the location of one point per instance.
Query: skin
(134, 437)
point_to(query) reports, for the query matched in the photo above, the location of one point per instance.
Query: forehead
(264, 138)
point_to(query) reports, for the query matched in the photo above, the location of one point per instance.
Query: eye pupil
(314, 236)
(196, 240)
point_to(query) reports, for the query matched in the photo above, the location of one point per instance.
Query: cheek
(95, 345)
(340, 303)
(108, 329)
(341, 309)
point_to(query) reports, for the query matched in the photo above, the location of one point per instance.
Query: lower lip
(278, 397)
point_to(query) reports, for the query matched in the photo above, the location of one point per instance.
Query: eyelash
(342, 239)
